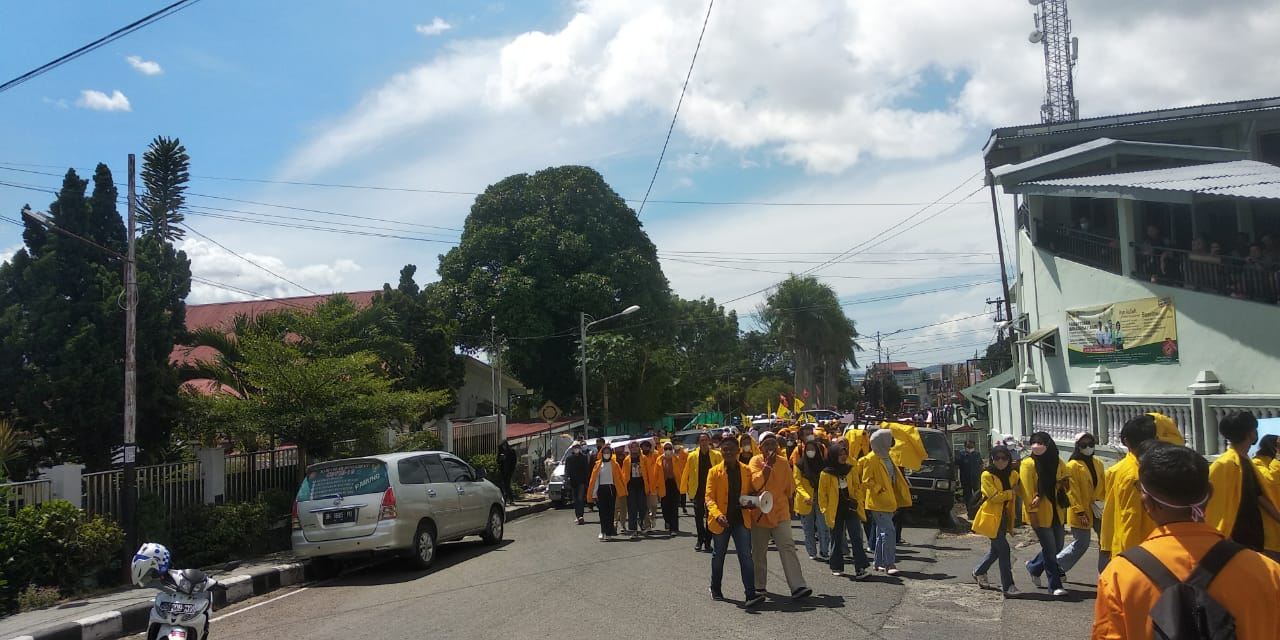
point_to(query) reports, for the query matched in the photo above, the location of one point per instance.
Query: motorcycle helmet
(150, 562)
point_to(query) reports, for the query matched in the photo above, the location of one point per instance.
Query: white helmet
(150, 562)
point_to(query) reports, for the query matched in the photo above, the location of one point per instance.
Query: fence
(476, 437)
(20, 494)
(249, 474)
(101, 493)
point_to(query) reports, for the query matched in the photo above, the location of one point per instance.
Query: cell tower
(1053, 31)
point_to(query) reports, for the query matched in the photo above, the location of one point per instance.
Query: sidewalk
(125, 611)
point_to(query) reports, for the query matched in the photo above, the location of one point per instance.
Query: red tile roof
(893, 366)
(522, 429)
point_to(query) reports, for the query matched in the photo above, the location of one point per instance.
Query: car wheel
(493, 531)
(424, 546)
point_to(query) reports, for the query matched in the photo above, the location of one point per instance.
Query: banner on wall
(1131, 332)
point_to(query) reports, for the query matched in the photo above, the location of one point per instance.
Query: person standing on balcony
(1043, 477)
(1239, 508)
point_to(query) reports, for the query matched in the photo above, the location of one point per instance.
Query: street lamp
(584, 325)
(128, 475)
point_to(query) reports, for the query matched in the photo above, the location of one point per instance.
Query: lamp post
(583, 326)
(128, 478)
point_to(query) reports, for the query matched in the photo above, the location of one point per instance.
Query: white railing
(1062, 416)
(1114, 411)
(20, 494)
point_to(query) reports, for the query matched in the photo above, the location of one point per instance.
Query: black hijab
(811, 467)
(1046, 466)
(833, 462)
(1086, 459)
(1008, 468)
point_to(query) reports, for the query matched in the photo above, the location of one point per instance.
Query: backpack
(1185, 610)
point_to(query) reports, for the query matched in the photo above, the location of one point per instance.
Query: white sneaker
(602, 537)
(837, 573)
(981, 579)
(1011, 591)
(1035, 579)
(893, 571)
(1059, 592)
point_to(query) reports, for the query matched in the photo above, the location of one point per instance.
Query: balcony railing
(1222, 275)
(1080, 246)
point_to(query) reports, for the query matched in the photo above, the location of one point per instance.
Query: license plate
(338, 517)
(178, 634)
(182, 607)
(915, 497)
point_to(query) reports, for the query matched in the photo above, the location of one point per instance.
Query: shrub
(210, 534)
(37, 597)
(418, 441)
(55, 545)
(486, 461)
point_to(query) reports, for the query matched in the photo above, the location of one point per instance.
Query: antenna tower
(1053, 31)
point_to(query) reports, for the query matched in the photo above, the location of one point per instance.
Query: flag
(799, 404)
(806, 394)
(783, 413)
(782, 399)
(768, 408)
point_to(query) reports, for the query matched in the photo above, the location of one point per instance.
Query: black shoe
(801, 593)
(715, 595)
(753, 602)
(697, 547)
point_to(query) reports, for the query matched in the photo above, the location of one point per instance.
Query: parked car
(398, 503)
(557, 489)
(933, 484)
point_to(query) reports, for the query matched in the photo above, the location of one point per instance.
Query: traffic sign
(549, 411)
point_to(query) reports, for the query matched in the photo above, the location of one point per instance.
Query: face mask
(1088, 451)
(1038, 449)
(576, 451)
(811, 454)
(667, 452)
(607, 456)
(791, 443)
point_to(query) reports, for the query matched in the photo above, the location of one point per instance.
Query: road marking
(258, 604)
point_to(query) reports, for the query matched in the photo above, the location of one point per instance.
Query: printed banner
(1130, 332)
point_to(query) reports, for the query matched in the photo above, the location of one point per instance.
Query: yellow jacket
(829, 493)
(689, 479)
(718, 496)
(780, 484)
(997, 501)
(880, 493)
(1167, 430)
(1224, 504)
(1083, 491)
(1269, 478)
(859, 443)
(619, 481)
(806, 493)
(1124, 522)
(651, 474)
(908, 449)
(1042, 515)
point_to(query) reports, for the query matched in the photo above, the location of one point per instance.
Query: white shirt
(606, 472)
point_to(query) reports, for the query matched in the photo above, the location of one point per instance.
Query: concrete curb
(133, 618)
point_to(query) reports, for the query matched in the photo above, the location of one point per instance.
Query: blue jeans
(1072, 553)
(817, 537)
(999, 552)
(851, 524)
(1046, 561)
(742, 546)
(579, 499)
(886, 542)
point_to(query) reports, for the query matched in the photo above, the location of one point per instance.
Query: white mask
(1088, 451)
(1038, 449)
(606, 456)
(811, 454)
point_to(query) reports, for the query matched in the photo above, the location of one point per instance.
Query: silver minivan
(403, 503)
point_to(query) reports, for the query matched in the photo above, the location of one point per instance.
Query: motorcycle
(184, 603)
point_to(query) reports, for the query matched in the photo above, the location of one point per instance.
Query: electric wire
(224, 248)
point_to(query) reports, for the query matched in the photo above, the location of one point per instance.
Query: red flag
(783, 398)
(806, 394)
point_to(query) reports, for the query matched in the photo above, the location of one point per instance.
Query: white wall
(1237, 339)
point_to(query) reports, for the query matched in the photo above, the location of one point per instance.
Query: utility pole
(1004, 275)
(129, 480)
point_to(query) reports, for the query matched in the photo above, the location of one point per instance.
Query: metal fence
(20, 494)
(480, 436)
(102, 493)
(249, 474)
(177, 485)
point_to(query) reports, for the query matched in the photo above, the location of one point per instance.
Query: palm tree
(805, 317)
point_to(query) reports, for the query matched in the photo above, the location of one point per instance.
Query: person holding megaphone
(771, 478)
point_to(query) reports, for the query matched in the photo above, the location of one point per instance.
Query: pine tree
(165, 174)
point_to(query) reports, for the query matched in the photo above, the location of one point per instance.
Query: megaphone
(763, 502)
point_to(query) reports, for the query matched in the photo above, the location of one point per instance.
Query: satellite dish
(763, 502)
(1035, 37)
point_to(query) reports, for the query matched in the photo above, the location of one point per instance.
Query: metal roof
(1237, 179)
(1139, 117)
(1102, 148)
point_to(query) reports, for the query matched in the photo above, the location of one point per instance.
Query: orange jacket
(1125, 594)
(619, 482)
(652, 475)
(718, 496)
(780, 484)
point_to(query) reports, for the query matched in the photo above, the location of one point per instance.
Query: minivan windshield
(344, 479)
(935, 444)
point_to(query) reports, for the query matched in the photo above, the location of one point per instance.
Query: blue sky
(869, 108)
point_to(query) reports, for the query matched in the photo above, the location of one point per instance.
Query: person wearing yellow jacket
(693, 482)
(771, 472)
(637, 475)
(1125, 524)
(655, 488)
(994, 517)
(1044, 478)
(682, 458)
(839, 486)
(1085, 484)
(884, 491)
(1264, 461)
(908, 449)
(817, 536)
(1239, 507)
(605, 487)
(727, 482)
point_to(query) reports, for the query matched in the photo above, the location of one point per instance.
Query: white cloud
(99, 101)
(147, 67)
(214, 264)
(437, 27)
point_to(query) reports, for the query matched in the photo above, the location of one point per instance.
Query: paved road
(552, 579)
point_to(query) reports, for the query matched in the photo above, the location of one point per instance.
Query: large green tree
(421, 321)
(536, 251)
(805, 318)
(165, 173)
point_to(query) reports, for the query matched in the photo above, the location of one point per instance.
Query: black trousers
(671, 506)
(607, 499)
(700, 519)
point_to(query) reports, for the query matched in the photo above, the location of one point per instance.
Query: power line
(679, 102)
(224, 248)
(110, 37)
(234, 289)
(867, 277)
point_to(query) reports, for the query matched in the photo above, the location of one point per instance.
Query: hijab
(1086, 459)
(833, 463)
(1005, 475)
(1046, 466)
(811, 467)
(881, 442)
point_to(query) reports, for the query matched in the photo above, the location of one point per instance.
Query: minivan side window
(458, 470)
(411, 471)
(435, 471)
